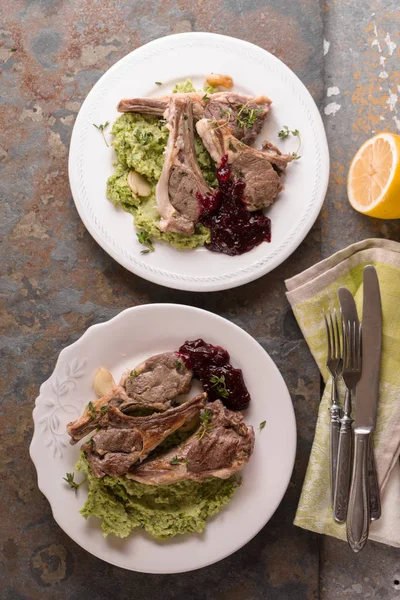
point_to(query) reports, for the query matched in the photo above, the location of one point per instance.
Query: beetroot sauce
(210, 364)
(234, 230)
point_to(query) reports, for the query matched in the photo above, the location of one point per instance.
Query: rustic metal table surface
(56, 281)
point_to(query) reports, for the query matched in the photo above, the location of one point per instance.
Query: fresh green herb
(180, 366)
(143, 136)
(226, 113)
(231, 146)
(102, 128)
(206, 97)
(158, 83)
(219, 383)
(185, 117)
(104, 409)
(145, 239)
(13, 49)
(210, 89)
(262, 425)
(178, 461)
(285, 132)
(218, 124)
(69, 478)
(205, 425)
(91, 410)
(247, 116)
(133, 374)
(241, 144)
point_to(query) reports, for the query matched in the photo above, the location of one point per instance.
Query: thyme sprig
(102, 127)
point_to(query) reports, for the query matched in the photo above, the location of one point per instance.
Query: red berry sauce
(210, 364)
(234, 230)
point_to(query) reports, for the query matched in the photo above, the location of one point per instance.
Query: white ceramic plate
(123, 342)
(254, 71)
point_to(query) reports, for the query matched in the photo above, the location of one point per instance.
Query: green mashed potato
(139, 142)
(163, 511)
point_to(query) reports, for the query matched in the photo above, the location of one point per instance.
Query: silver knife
(349, 312)
(367, 393)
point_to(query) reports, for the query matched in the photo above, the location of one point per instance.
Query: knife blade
(367, 393)
(349, 312)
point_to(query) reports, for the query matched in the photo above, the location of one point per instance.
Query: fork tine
(354, 350)
(346, 345)
(328, 337)
(338, 349)
(333, 340)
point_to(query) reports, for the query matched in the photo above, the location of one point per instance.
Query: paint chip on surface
(326, 47)
(331, 108)
(383, 75)
(392, 101)
(391, 45)
(333, 91)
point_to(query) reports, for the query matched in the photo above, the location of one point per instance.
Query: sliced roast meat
(278, 160)
(93, 411)
(245, 115)
(181, 180)
(219, 448)
(253, 166)
(155, 382)
(124, 440)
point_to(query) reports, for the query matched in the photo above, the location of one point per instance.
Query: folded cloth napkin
(310, 293)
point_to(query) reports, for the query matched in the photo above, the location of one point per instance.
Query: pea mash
(139, 142)
(163, 511)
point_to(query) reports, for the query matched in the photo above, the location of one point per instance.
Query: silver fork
(334, 364)
(351, 374)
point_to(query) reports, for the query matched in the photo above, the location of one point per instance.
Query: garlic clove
(138, 184)
(103, 382)
(217, 79)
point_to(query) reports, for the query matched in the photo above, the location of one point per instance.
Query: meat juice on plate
(234, 230)
(211, 365)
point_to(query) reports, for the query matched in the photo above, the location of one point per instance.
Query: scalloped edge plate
(172, 59)
(123, 342)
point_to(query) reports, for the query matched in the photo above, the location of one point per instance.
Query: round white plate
(254, 71)
(123, 342)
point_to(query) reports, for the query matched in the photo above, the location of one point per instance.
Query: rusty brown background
(56, 281)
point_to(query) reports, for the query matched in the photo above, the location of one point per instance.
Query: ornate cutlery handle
(358, 516)
(374, 494)
(343, 470)
(334, 437)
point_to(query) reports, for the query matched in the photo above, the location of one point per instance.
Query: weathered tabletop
(57, 282)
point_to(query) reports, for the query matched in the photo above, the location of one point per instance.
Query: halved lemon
(373, 183)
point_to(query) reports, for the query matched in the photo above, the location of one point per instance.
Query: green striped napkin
(310, 293)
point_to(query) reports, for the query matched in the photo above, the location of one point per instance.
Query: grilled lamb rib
(155, 382)
(222, 451)
(124, 440)
(278, 160)
(263, 183)
(244, 114)
(181, 179)
(89, 420)
(152, 384)
(158, 106)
